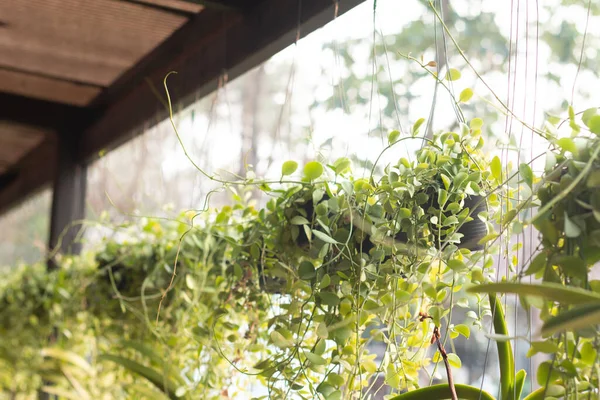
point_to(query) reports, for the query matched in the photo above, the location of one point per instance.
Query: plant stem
(440, 346)
(505, 354)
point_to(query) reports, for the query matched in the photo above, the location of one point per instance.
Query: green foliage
(568, 221)
(291, 293)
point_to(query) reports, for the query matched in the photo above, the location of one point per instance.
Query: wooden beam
(200, 51)
(209, 44)
(180, 7)
(229, 5)
(43, 114)
(198, 31)
(47, 88)
(34, 172)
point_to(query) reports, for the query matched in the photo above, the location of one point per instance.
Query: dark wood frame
(228, 36)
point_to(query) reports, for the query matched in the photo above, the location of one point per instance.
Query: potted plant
(568, 222)
(436, 202)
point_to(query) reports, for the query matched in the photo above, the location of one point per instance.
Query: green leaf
(526, 174)
(593, 179)
(550, 291)
(315, 358)
(476, 123)
(306, 270)
(190, 282)
(446, 181)
(594, 124)
(417, 125)
(325, 281)
(393, 136)
(453, 74)
(567, 144)
(288, 168)
(463, 330)
(64, 393)
(457, 265)
(572, 230)
(149, 353)
(506, 359)
(404, 213)
(464, 129)
(454, 360)
(588, 353)
(342, 165)
(335, 395)
(538, 263)
(459, 179)
(465, 95)
(299, 220)
(587, 115)
(329, 299)
(336, 379)
(488, 238)
(572, 266)
(442, 197)
(545, 346)
(509, 217)
(156, 378)
(518, 386)
(324, 237)
(280, 341)
(546, 373)
(550, 161)
(68, 357)
(322, 331)
(547, 229)
(313, 170)
(496, 167)
(143, 391)
(573, 320)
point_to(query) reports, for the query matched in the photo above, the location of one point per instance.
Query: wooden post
(68, 208)
(68, 200)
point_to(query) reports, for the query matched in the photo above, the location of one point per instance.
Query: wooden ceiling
(69, 51)
(80, 68)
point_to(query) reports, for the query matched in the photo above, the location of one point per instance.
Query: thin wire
(396, 110)
(459, 116)
(537, 38)
(503, 157)
(587, 21)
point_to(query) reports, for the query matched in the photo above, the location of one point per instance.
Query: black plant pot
(472, 231)
(475, 230)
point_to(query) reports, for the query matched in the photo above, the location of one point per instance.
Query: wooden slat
(178, 5)
(88, 41)
(16, 140)
(200, 52)
(41, 87)
(225, 4)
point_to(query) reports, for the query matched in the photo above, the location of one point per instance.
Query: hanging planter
(475, 230)
(432, 203)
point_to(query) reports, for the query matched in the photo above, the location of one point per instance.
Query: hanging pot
(472, 231)
(475, 230)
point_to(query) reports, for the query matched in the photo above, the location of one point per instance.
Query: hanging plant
(297, 293)
(568, 221)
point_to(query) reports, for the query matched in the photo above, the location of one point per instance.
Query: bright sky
(221, 134)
